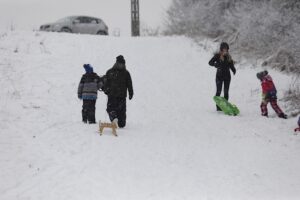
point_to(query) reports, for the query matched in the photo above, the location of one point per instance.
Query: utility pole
(135, 18)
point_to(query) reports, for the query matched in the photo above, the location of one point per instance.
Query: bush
(292, 97)
(262, 29)
(149, 31)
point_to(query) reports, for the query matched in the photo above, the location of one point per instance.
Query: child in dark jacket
(269, 95)
(88, 88)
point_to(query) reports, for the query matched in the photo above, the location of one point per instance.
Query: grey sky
(29, 14)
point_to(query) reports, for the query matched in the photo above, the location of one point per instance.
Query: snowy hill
(175, 146)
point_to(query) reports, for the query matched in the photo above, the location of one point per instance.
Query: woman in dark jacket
(224, 63)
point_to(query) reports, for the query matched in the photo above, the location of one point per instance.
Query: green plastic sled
(226, 107)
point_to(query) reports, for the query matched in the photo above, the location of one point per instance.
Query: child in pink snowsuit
(269, 95)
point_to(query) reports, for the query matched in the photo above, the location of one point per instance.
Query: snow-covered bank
(175, 145)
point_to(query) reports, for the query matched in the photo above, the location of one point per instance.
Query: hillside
(175, 146)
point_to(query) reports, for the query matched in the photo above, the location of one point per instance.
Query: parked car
(78, 24)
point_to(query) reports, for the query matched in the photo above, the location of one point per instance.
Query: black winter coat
(223, 66)
(118, 81)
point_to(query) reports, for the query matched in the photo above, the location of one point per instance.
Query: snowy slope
(175, 146)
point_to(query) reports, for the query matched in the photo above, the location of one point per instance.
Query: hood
(267, 78)
(261, 75)
(119, 66)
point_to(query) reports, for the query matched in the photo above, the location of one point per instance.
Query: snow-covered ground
(175, 145)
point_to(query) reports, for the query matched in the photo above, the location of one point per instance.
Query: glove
(130, 96)
(79, 97)
(234, 72)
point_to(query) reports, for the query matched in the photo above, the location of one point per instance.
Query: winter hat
(88, 68)
(120, 59)
(262, 74)
(224, 45)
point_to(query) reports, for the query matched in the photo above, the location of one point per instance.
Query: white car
(78, 24)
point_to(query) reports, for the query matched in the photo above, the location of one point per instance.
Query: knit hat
(224, 45)
(120, 59)
(88, 68)
(262, 74)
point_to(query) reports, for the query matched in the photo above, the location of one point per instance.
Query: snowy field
(175, 146)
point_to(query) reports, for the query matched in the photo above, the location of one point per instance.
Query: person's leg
(112, 108)
(264, 108)
(226, 89)
(122, 112)
(219, 84)
(91, 111)
(84, 111)
(277, 108)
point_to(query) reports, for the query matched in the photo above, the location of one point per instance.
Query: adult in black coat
(224, 63)
(118, 83)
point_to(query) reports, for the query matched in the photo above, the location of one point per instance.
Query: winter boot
(282, 115)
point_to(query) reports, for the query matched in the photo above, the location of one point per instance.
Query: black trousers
(219, 84)
(88, 111)
(116, 108)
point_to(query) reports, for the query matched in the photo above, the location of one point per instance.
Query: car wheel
(66, 30)
(101, 33)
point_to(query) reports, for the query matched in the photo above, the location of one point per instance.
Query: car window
(66, 19)
(98, 21)
(84, 20)
(94, 21)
